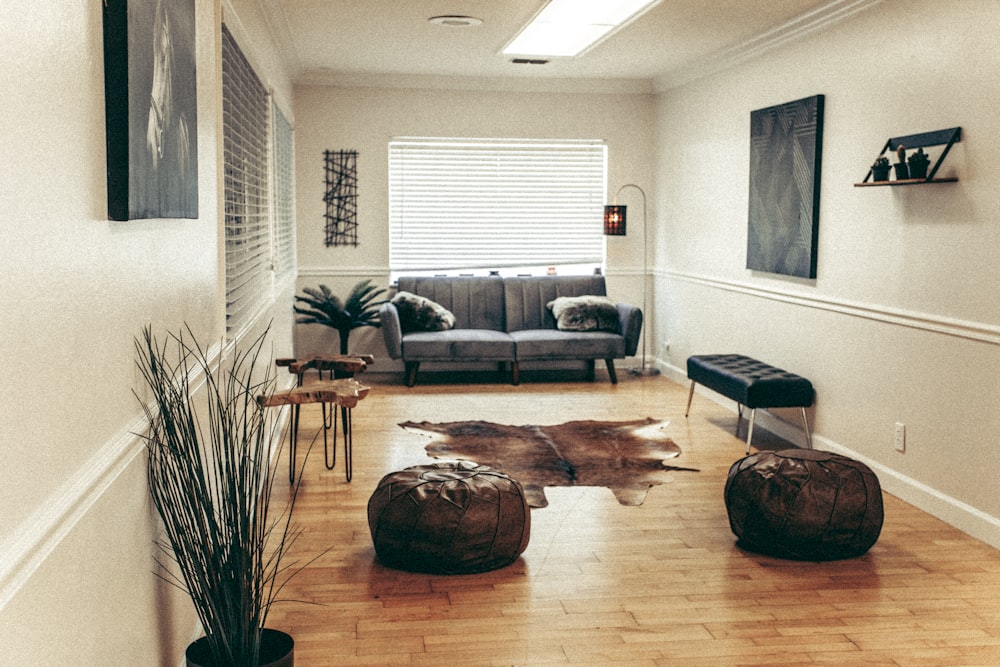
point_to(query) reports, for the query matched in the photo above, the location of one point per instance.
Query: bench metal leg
(805, 425)
(753, 414)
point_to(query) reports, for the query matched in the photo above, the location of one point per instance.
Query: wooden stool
(344, 393)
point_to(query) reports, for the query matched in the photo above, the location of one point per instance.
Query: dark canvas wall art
(151, 121)
(785, 157)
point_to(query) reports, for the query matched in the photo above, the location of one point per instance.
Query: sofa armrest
(630, 321)
(392, 332)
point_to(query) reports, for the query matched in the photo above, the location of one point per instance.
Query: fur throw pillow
(585, 313)
(418, 313)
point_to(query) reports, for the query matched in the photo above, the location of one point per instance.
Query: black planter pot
(880, 173)
(277, 649)
(902, 173)
(918, 170)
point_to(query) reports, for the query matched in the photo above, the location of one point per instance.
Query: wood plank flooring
(600, 583)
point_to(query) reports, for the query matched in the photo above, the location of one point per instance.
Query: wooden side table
(345, 365)
(344, 392)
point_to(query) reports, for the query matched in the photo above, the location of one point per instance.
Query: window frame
(447, 195)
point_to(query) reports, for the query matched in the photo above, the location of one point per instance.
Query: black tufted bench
(751, 383)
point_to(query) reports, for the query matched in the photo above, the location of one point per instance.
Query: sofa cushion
(554, 344)
(464, 344)
(584, 313)
(526, 297)
(476, 301)
(418, 313)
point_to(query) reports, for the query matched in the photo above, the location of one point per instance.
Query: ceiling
(392, 43)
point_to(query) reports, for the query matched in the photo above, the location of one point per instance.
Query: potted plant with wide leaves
(211, 474)
(360, 309)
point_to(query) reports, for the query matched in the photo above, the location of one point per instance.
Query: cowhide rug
(628, 457)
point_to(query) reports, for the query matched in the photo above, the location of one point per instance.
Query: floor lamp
(614, 225)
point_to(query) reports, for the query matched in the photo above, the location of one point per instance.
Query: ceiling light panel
(566, 28)
(454, 21)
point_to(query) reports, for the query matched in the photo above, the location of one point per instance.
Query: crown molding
(336, 79)
(281, 34)
(821, 18)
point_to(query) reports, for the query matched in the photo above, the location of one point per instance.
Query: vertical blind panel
(284, 198)
(246, 186)
(495, 203)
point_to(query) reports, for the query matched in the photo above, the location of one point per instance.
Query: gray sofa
(507, 321)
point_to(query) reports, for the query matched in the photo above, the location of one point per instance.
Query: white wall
(365, 119)
(902, 323)
(76, 555)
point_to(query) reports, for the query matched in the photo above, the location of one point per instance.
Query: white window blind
(246, 189)
(284, 198)
(492, 203)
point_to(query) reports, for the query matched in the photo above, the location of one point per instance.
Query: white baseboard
(962, 516)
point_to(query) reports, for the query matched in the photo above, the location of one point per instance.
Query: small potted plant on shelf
(918, 163)
(880, 170)
(902, 173)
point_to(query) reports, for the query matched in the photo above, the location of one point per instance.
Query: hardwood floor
(601, 583)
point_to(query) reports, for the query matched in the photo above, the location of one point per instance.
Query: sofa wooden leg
(515, 373)
(411, 372)
(611, 370)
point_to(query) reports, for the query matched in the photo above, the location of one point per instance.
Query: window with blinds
(490, 204)
(284, 199)
(246, 188)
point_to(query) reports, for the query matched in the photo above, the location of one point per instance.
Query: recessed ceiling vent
(529, 61)
(454, 21)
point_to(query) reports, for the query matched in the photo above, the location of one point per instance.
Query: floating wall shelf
(946, 138)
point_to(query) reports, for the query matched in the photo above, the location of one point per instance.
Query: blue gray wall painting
(785, 157)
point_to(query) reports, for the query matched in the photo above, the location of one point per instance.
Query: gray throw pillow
(418, 313)
(585, 313)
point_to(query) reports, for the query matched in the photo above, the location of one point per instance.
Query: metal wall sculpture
(785, 156)
(151, 109)
(341, 198)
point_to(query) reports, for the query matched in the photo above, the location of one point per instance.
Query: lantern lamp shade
(614, 220)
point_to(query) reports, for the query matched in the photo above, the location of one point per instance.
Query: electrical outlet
(900, 444)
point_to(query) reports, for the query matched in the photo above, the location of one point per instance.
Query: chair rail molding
(949, 326)
(352, 271)
(42, 531)
(38, 535)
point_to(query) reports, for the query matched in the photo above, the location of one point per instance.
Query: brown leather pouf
(449, 518)
(804, 504)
